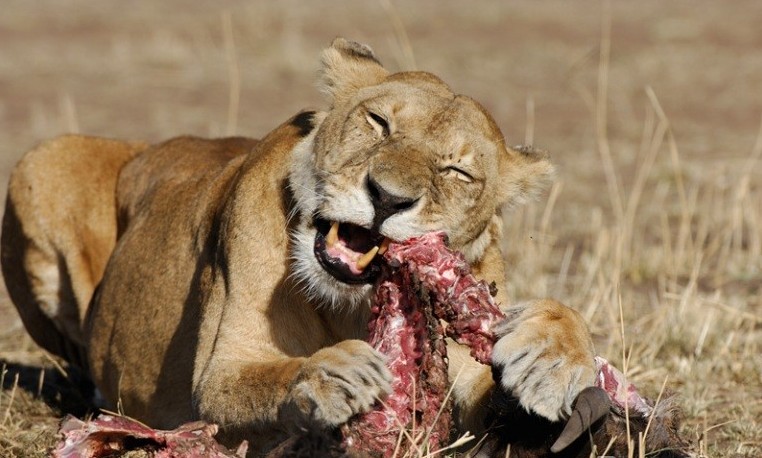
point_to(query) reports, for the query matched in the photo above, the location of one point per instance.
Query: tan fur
(59, 229)
(213, 305)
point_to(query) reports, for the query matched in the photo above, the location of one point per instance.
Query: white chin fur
(320, 287)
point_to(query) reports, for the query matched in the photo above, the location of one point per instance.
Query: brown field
(650, 109)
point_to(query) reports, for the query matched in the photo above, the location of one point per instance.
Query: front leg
(290, 394)
(544, 357)
(334, 384)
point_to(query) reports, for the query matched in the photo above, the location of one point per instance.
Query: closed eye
(458, 173)
(379, 123)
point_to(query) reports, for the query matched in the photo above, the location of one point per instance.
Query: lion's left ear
(524, 172)
(348, 66)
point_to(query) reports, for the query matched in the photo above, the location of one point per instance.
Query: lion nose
(386, 204)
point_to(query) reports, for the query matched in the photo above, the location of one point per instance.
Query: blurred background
(651, 110)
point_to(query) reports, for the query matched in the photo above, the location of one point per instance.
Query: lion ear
(524, 172)
(346, 67)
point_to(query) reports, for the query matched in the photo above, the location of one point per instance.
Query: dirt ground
(651, 110)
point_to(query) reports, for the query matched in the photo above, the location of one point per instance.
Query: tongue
(346, 255)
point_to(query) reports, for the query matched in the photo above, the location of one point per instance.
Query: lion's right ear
(348, 66)
(524, 172)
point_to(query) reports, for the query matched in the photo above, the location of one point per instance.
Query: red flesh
(456, 296)
(112, 435)
(403, 329)
(423, 283)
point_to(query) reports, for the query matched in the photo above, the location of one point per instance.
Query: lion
(229, 279)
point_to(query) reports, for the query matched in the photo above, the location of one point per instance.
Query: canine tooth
(365, 259)
(384, 245)
(333, 235)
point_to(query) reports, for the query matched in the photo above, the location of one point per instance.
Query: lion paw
(337, 382)
(544, 357)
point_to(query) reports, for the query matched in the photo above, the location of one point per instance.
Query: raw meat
(423, 282)
(443, 279)
(114, 435)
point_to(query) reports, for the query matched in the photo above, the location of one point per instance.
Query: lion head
(396, 155)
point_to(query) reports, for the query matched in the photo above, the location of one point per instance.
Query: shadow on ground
(65, 393)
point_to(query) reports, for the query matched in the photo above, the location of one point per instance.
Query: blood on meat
(422, 283)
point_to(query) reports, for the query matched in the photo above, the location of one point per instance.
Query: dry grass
(679, 270)
(652, 231)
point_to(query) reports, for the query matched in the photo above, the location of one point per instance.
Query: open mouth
(349, 252)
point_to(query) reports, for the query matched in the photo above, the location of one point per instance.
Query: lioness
(234, 275)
